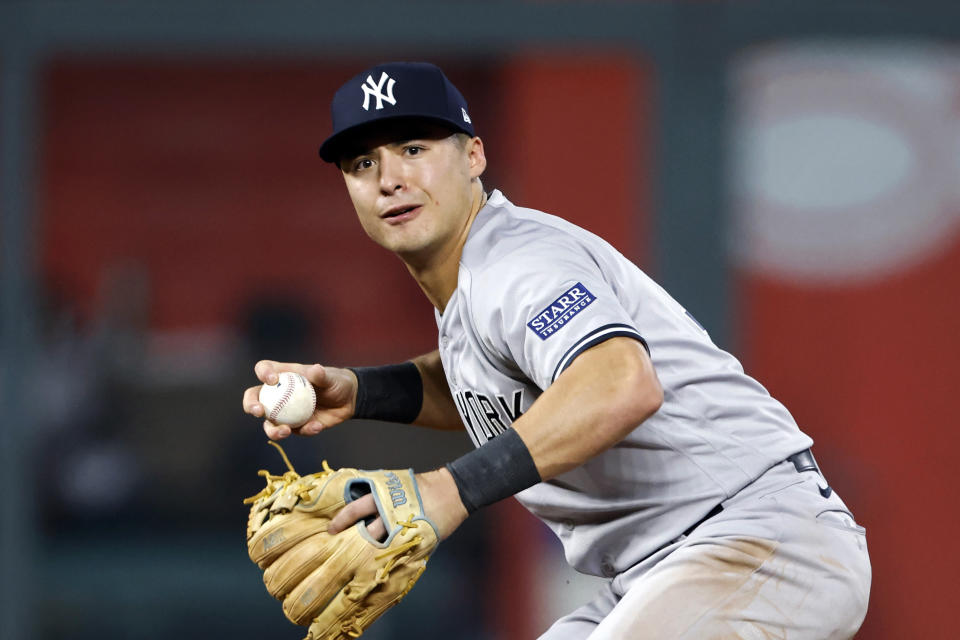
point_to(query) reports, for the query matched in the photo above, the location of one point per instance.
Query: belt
(802, 461)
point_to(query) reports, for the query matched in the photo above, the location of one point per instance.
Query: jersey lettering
(490, 412)
(481, 416)
(464, 410)
(517, 403)
(478, 412)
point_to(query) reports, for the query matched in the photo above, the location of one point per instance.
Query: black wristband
(499, 469)
(393, 392)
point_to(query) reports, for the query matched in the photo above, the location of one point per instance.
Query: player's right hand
(336, 396)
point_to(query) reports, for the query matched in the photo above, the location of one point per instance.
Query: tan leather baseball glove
(337, 584)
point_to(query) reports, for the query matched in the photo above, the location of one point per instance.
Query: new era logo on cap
(394, 90)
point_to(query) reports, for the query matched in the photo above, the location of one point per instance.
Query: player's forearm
(606, 392)
(438, 410)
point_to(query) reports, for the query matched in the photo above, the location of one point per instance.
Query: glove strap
(393, 392)
(499, 469)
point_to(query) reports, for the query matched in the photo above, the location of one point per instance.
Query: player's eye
(413, 150)
(362, 163)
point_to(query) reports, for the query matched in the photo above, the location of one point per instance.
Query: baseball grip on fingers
(291, 401)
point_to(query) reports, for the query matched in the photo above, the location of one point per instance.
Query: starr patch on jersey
(560, 311)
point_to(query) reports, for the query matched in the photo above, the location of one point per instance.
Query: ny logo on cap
(375, 89)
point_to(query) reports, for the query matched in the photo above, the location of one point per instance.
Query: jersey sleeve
(539, 308)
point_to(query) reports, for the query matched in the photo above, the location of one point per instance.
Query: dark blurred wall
(208, 175)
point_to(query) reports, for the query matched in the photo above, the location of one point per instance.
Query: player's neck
(438, 276)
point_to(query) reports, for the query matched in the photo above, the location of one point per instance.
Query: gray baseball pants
(781, 561)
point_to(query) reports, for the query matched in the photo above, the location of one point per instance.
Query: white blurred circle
(860, 161)
(846, 160)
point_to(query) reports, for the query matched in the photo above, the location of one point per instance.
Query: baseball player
(591, 395)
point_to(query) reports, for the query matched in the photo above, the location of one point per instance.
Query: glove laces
(352, 628)
(277, 482)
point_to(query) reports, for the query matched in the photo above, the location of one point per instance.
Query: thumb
(266, 371)
(317, 375)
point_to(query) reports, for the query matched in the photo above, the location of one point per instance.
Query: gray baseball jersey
(534, 291)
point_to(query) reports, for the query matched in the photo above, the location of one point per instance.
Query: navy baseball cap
(394, 90)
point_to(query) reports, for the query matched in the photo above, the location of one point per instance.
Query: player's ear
(476, 157)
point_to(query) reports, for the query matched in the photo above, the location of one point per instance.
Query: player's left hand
(438, 495)
(337, 585)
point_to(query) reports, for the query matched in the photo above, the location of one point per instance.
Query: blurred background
(790, 172)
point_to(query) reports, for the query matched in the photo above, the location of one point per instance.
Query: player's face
(413, 186)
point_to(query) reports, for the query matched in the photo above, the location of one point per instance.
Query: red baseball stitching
(287, 394)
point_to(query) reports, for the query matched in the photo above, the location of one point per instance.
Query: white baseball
(291, 401)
